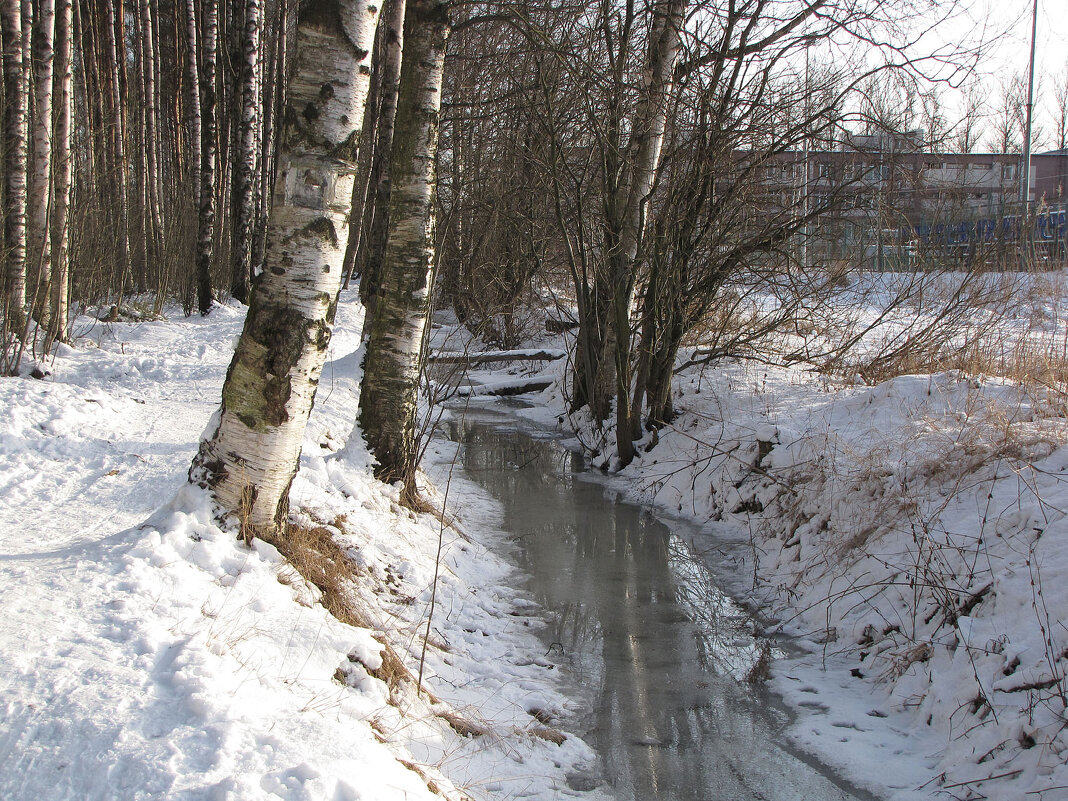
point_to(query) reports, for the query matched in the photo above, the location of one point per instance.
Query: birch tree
(151, 200)
(245, 163)
(367, 251)
(39, 249)
(251, 457)
(208, 156)
(114, 62)
(193, 121)
(14, 153)
(273, 72)
(630, 183)
(62, 169)
(394, 349)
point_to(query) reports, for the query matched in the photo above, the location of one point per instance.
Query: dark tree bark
(368, 251)
(208, 156)
(243, 203)
(395, 346)
(15, 173)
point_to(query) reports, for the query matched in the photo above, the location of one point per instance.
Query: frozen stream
(653, 650)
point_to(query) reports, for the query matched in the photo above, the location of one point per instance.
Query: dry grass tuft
(760, 670)
(422, 505)
(394, 673)
(541, 715)
(320, 560)
(432, 785)
(549, 735)
(463, 726)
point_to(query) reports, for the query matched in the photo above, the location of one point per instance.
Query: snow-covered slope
(149, 654)
(911, 536)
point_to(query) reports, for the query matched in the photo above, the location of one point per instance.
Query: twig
(437, 559)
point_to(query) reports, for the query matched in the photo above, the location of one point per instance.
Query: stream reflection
(656, 653)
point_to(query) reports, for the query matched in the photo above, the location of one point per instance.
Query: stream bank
(657, 656)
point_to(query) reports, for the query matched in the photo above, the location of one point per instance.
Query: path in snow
(85, 454)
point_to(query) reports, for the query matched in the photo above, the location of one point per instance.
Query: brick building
(882, 200)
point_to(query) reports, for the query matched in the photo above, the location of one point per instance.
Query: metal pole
(1024, 218)
(805, 157)
(1025, 181)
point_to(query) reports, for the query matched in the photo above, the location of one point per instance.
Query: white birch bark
(394, 348)
(368, 135)
(251, 457)
(650, 120)
(39, 250)
(14, 180)
(627, 209)
(62, 169)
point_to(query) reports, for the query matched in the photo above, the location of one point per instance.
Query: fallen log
(518, 386)
(484, 357)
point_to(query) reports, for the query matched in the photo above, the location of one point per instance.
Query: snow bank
(913, 537)
(151, 654)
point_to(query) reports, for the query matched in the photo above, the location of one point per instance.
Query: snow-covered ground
(912, 538)
(149, 654)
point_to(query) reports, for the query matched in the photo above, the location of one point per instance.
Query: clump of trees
(646, 135)
(138, 142)
(614, 155)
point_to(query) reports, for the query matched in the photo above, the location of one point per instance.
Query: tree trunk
(62, 170)
(14, 153)
(594, 377)
(39, 249)
(250, 459)
(245, 167)
(369, 133)
(113, 34)
(647, 337)
(394, 349)
(661, 371)
(195, 150)
(208, 153)
(369, 251)
(626, 205)
(152, 221)
(273, 84)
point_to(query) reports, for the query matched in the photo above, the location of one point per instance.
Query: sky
(972, 48)
(1051, 45)
(1008, 54)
